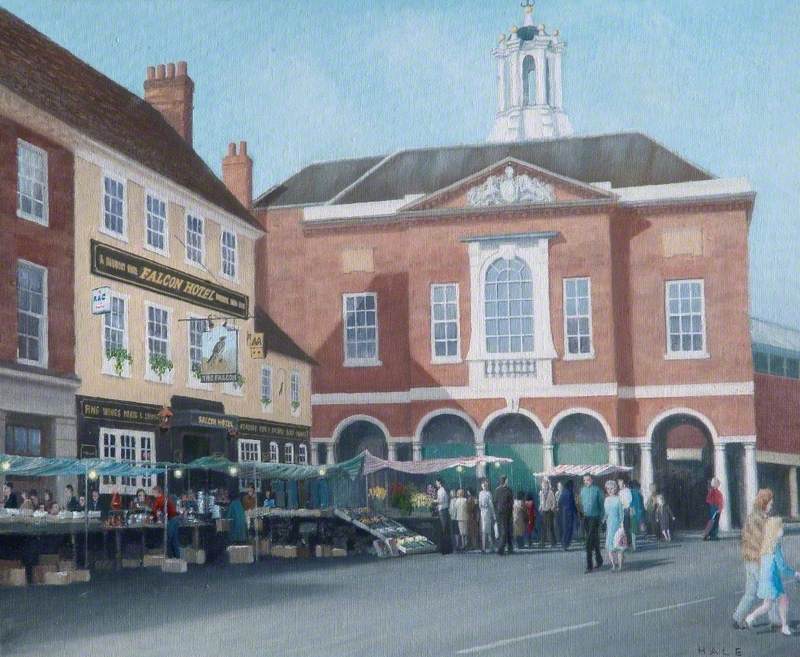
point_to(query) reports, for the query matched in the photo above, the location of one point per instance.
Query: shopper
(238, 521)
(650, 509)
(453, 520)
(752, 538)
(488, 517)
(567, 512)
(443, 507)
(473, 521)
(10, 500)
(592, 505)
(504, 508)
(547, 509)
(664, 518)
(530, 510)
(637, 512)
(773, 568)
(139, 503)
(250, 500)
(47, 500)
(715, 502)
(70, 501)
(625, 498)
(94, 502)
(173, 541)
(520, 519)
(461, 519)
(616, 539)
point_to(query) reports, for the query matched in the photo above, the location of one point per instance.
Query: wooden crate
(38, 572)
(153, 560)
(174, 566)
(240, 554)
(13, 577)
(79, 576)
(56, 578)
(338, 552)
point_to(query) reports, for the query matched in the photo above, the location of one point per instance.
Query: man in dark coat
(9, 496)
(504, 506)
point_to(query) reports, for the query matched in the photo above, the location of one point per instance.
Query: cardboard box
(338, 552)
(13, 577)
(323, 550)
(223, 525)
(79, 576)
(277, 551)
(56, 578)
(153, 560)
(264, 547)
(131, 563)
(174, 566)
(240, 554)
(38, 572)
(48, 560)
(191, 555)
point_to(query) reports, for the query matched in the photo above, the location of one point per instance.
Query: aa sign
(220, 355)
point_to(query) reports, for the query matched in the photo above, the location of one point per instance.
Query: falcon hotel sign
(150, 275)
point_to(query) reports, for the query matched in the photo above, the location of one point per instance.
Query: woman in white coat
(486, 506)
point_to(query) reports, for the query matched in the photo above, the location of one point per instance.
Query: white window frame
(123, 236)
(203, 224)
(106, 483)
(295, 392)
(274, 452)
(579, 356)
(107, 364)
(679, 354)
(149, 375)
(191, 380)
(248, 442)
(222, 248)
(360, 362)
(147, 245)
(43, 318)
(441, 360)
(302, 454)
(266, 408)
(288, 452)
(44, 220)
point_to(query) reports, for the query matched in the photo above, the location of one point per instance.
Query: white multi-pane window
(508, 307)
(157, 336)
(274, 453)
(686, 326)
(31, 314)
(115, 336)
(578, 318)
(266, 387)
(228, 254)
(302, 455)
(114, 206)
(32, 182)
(196, 329)
(156, 223)
(444, 322)
(129, 446)
(249, 452)
(288, 453)
(194, 239)
(361, 329)
(294, 391)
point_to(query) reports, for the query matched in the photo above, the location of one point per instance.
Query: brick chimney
(237, 173)
(171, 91)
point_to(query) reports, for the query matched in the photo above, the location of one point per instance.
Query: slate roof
(624, 159)
(277, 340)
(774, 335)
(56, 81)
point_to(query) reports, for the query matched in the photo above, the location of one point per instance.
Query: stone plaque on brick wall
(354, 260)
(682, 242)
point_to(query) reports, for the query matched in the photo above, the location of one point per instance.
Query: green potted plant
(266, 401)
(239, 382)
(295, 406)
(160, 365)
(119, 356)
(196, 370)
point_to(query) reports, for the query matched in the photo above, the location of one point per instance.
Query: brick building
(558, 300)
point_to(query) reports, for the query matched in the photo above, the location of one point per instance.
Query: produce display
(390, 532)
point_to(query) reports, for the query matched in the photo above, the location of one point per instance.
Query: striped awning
(428, 466)
(602, 470)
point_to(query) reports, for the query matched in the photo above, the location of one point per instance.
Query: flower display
(377, 493)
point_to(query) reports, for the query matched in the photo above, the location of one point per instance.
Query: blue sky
(715, 80)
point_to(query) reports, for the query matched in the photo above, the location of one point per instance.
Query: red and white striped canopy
(428, 466)
(602, 470)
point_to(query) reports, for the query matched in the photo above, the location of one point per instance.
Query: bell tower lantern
(530, 100)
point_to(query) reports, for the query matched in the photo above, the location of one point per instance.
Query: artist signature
(720, 651)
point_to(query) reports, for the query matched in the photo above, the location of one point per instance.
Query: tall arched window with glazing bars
(508, 309)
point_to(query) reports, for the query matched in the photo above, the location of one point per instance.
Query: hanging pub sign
(150, 275)
(220, 355)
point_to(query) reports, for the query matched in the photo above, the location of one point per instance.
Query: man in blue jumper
(592, 503)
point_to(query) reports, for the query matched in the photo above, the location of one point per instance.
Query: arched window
(274, 454)
(509, 307)
(548, 81)
(528, 81)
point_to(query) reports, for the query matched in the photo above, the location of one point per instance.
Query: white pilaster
(646, 465)
(330, 459)
(750, 475)
(793, 510)
(392, 450)
(557, 99)
(721, 473)
(502, 102)
(547, 456)
(416, 451)
(314, 453)
(613, 453)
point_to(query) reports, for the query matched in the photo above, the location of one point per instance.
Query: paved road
(674, 600)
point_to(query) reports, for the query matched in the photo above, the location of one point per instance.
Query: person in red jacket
(173, 544)
(715, 503)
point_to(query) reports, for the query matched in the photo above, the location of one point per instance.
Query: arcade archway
(515, 436)
(448, 435)
(579, 439)
(358, 436)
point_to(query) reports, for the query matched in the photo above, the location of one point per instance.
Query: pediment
(509, 182)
